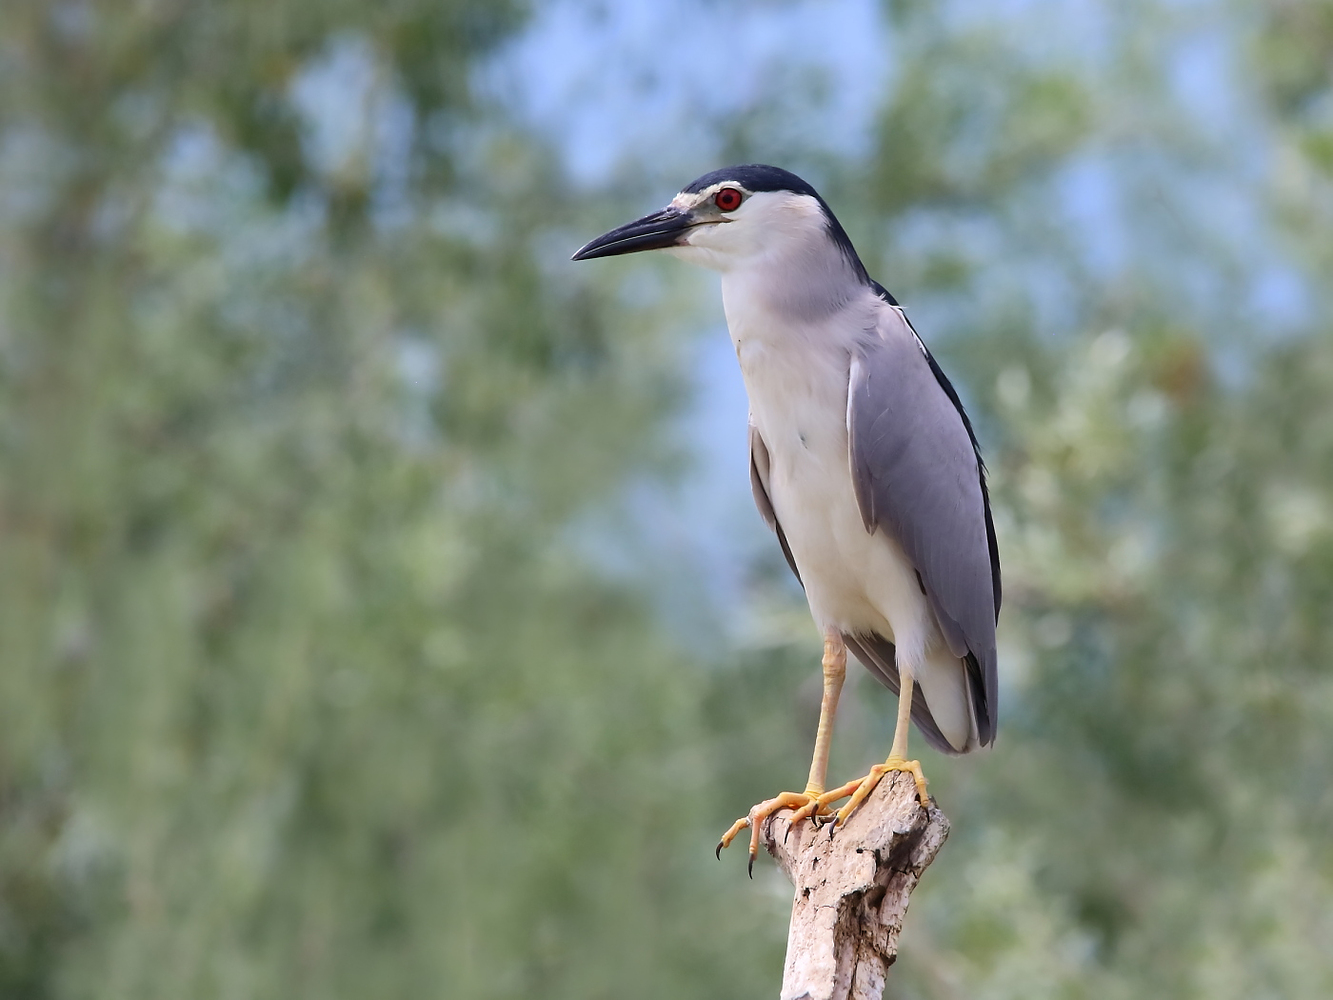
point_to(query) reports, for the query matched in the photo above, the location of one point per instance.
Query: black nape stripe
(883, 293)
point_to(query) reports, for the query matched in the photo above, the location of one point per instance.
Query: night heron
(862, 462)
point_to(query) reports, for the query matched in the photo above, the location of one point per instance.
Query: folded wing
(919, 477)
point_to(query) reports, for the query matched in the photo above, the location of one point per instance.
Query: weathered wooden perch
(852, 890)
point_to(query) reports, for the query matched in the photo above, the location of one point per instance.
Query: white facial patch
(766, 224)
(687, 200)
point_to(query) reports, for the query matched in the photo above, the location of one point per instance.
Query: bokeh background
(382, 611)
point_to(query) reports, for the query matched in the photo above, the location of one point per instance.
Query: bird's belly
(854, 581)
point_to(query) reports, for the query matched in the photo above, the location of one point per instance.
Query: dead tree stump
(852, 890)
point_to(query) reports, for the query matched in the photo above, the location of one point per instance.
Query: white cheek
(722, 236)
(701, 236)
(706, 246)
(699, 256)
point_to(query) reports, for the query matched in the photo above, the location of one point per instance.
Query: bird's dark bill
(652, 232)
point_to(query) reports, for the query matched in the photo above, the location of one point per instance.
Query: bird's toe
(805, 805)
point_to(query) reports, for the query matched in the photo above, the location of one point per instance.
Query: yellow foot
(859, 789)
(806, 804)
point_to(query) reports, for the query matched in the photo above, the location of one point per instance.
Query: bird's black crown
(754, 177)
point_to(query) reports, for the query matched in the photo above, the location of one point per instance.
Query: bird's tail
(947, 685)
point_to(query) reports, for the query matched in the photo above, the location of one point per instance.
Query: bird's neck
(802, 286)
(791, 299)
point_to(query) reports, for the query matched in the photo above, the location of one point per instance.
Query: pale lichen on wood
(852, 890)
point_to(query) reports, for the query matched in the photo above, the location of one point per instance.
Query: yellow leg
(897, 761)
(805, 803)
(835, 672)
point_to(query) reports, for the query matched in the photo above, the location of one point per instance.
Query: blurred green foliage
(307, 690)
(311, 683)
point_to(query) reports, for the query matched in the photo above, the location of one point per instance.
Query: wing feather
(918, 475)
(759, 466)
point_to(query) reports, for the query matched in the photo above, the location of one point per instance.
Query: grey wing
(759, 464)
(919, 477)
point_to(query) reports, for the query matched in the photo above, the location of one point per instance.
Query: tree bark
(852, 890)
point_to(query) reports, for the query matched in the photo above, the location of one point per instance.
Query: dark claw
(718, 852)
(750, 867)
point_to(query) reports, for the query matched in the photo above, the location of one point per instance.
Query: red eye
(728, 199)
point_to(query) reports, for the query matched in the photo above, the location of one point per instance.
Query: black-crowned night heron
(861, 459)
